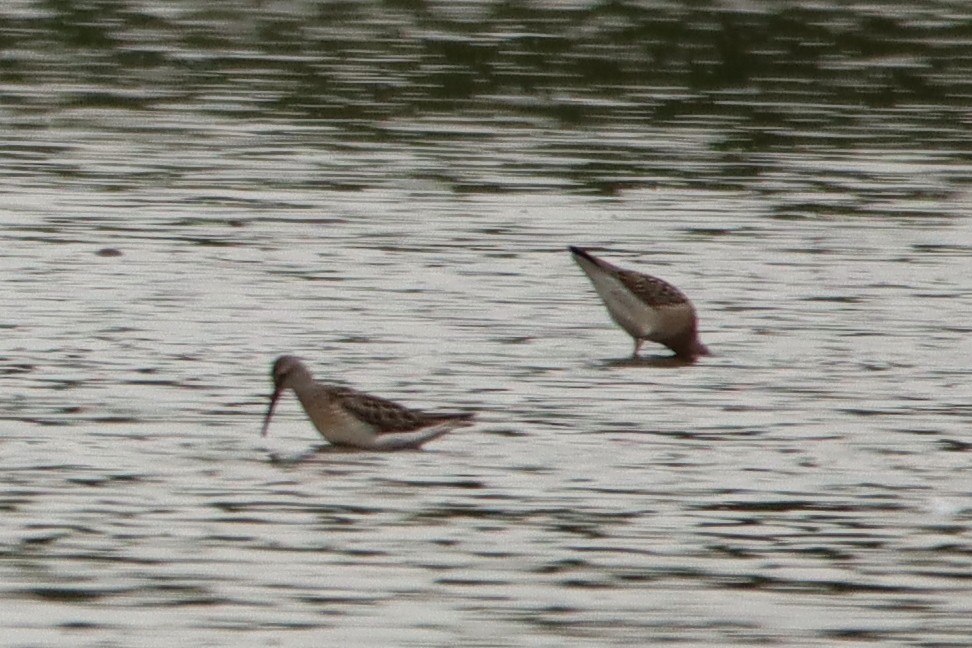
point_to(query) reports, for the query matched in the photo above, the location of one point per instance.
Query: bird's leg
(637, 346)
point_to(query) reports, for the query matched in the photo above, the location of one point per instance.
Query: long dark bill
(273, 403)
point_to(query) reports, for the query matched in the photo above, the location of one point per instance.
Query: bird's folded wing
(384, 415)
(651, 290)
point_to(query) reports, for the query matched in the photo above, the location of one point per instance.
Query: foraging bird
(348, 417)
(647, 307)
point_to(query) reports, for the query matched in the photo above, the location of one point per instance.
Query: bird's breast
(334, 422)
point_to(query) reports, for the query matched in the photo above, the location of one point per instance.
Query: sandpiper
(348, 417)
(647, 307)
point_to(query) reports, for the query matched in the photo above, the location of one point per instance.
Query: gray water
(388, 190)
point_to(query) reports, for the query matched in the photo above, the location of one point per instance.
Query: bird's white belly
(629, 312)
(339, 427)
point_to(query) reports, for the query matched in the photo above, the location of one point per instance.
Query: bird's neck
(688, 345)
(301, 381)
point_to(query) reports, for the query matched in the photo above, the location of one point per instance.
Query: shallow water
(389, 193)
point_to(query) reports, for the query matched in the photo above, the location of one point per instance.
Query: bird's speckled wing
(386, 415)
(651, 290)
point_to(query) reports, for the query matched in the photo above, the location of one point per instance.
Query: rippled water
(388, 190)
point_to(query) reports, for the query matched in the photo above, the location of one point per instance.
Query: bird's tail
(585, 259)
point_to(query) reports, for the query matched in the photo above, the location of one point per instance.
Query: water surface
(388, 190)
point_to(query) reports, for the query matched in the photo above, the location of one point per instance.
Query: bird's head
(287, 371)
